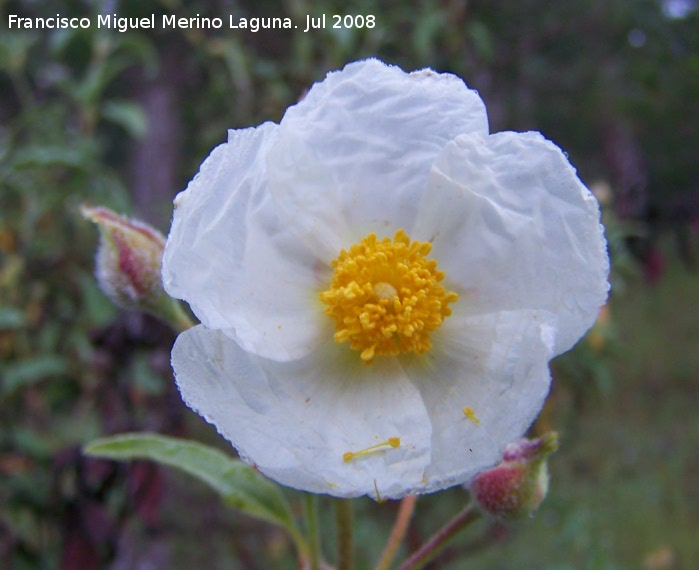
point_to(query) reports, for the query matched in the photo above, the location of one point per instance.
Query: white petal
(295, 420)
(232, 260)
(496, 364)
(514, 228)
(355, 154)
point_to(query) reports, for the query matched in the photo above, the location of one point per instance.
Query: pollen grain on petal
(471, 415)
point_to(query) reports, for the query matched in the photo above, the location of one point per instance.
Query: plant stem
(405, 513)
(302, 550)
(440, 539)
(175, 314)
(343, 520)
(312, 530)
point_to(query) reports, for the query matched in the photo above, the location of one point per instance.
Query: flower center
(385, 296)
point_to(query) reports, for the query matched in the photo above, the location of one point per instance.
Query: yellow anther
(471, 415)
(390, 442)
(385, 296)
(368, 354)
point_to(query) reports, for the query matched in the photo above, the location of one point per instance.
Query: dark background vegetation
(125, 119)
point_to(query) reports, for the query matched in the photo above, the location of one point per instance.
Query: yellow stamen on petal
(385, 296)
(379, 498)
(390, 442)
(471, 415)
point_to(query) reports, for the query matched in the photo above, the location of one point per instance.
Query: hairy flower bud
(128, 264)
(515, 488)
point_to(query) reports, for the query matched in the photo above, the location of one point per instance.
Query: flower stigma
(385, 296)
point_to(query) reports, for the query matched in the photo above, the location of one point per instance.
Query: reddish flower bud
(515, 488)
(128, 264)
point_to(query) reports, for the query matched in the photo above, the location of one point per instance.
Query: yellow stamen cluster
(385, 296)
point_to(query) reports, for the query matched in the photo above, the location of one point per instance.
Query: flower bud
(515, 488)
(128, 264)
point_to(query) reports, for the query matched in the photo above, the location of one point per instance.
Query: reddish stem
(440, 539)
(405, 513)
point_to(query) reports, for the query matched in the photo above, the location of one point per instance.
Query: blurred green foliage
(125, 119)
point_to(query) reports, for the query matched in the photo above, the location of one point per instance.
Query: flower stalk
(344, 522)
(312, 530)
(441, 538)
(405, 514)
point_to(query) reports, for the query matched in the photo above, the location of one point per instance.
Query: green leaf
(48, 155)
(129, 116)
(17, 375)
(239, 484)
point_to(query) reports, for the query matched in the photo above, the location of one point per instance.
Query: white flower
(337, 352)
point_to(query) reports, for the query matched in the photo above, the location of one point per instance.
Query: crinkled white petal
(354, 156)
(230, 257)
(495, 364)
(295, 420)
(373, 149)
(513, 227)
